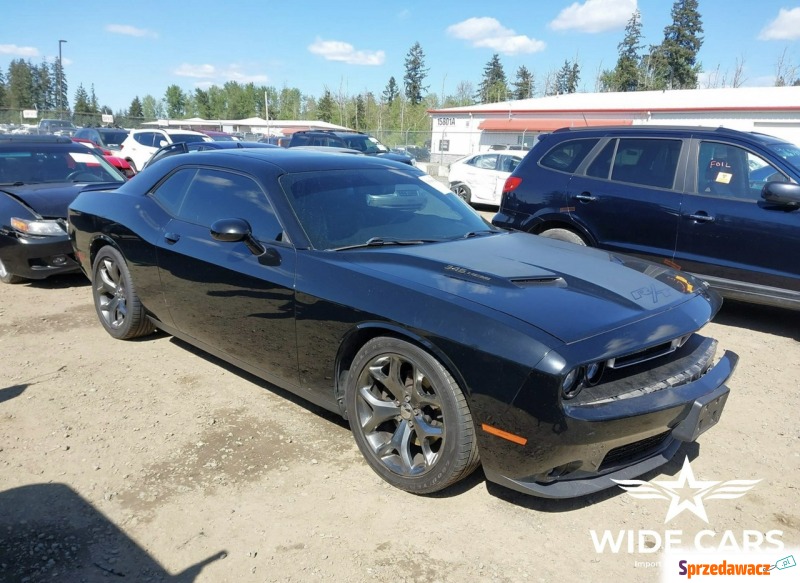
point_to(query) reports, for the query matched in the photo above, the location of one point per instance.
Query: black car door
(727, 232)
(629, 195)
(219, 293)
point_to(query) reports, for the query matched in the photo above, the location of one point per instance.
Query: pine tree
(176, 102)
(523, 84)
(626, 76)
(60, 96)
(415, 74)
(326, 107)
(391, 92)
(493, 87)
(674, 61)
(135, 110)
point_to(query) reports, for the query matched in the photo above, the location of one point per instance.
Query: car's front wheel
(115, 299)
(7, 277)
(409, 417)
(564, 235)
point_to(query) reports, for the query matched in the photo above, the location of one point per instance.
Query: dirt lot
(152, 461)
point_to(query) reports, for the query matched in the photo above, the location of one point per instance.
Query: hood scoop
(539, 281)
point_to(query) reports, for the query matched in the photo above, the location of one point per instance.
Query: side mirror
(162, 143)
(781, 193)
(235, 230)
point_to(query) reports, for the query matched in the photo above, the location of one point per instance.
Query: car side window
(762, 172)
(508, 163)
(646, 161)
(485, 162)
(567, 156)
(723, 170)
(169, 194)
(217, 194)
(144, 138)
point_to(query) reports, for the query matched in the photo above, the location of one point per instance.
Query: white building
(459, 131)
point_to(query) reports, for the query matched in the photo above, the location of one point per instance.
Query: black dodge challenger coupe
(367, 287)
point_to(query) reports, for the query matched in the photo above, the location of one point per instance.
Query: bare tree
(738, 73)
(785, 73)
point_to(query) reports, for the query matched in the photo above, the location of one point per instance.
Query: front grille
(631, 451)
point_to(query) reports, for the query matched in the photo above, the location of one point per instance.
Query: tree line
(401, 106)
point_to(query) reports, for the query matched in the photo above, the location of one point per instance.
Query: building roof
(726, 99)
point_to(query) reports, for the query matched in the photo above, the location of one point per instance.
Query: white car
(479, 178)
(141, 144)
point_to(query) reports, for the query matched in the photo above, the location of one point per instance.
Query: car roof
(169, 131)
(284, 159)
(668, 130)
(34, 139)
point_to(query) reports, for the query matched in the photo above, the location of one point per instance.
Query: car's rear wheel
(7, 277)
(115, 299)
(564, 235)
(409, 417)
(463, 192)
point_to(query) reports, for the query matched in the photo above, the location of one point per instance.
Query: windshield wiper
(381, 241)
(478, 233)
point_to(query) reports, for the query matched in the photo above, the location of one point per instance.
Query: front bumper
(37, 257)
(617, 440)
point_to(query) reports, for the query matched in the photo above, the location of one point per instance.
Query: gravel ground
(152, 461)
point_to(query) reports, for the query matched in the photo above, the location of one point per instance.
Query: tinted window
(348, 207)
(170, 193)
(145, 138)
(567, 156)
(650, 162)
(186, 138)
(216, 194)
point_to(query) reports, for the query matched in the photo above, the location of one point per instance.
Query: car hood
(566, 290)
(52, 200)
(404, 158)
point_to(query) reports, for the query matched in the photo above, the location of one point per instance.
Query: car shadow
(766, 319)
(251, 378)
(555, 505)
(59, 281)
(51, 533)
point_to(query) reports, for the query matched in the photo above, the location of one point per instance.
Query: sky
(140, 47)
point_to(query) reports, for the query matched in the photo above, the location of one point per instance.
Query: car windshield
(787, 151)
(41, 164)
(376, 206)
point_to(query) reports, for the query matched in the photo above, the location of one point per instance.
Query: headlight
(571, 385)
(40, 228)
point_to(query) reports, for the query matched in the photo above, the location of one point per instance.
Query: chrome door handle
(586, 197)
(702, 218)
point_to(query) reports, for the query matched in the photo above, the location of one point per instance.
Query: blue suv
(719, 203)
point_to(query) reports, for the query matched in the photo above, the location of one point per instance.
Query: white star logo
(685, 492)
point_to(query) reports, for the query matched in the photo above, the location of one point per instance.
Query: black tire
(115, 300)
(564, 235)
(7, 277)
(418, 436)
(463, 192)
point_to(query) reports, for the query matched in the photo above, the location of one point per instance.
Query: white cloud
(334, 50)
(19, 51)
(199, 71)
(487, 32)
(595, 16)
(215, 75)
(127, 30)
(786, 26)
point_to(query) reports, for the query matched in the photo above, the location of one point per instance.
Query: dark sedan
(39, 177)
(367, 287)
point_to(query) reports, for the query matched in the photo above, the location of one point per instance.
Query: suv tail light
(512, 182)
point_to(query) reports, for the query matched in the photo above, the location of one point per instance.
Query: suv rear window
(567, 156)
